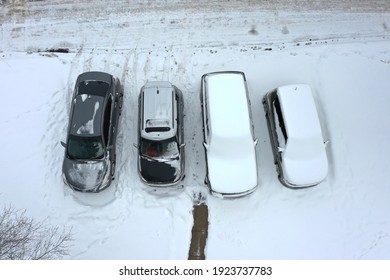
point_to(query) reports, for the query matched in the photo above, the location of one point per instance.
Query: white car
(296, 136)
(228, 134)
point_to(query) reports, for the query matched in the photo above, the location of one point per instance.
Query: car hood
(160, 172)
(305, 172)
(85, 175)
(232, 176)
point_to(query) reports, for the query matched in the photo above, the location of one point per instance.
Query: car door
(204, 106)
(108, 124)
(180, 124)
(180, 117)
(118, 93)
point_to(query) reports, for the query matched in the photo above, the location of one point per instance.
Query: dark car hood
(156, 172)
(85, 175)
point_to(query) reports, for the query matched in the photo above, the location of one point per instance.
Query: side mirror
(63, 144)
(135, 145)
(182, 145)
(280, 149)
(256, 141)
(205, 145)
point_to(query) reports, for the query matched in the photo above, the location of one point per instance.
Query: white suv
(296, 136)
(228, 134)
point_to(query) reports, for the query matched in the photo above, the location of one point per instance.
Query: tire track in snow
(186, 23)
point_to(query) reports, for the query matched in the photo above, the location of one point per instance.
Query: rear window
(93, 88)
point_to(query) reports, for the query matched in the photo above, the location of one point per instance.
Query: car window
(178, 120)
(160, 149)
(107, 120)
(93, 88)
(85, 147)
(279, 123)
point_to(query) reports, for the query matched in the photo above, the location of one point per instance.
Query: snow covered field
(342, 51)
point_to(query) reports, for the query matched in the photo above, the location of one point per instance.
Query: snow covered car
(296, 136)
(228, 134)
(160, 134)
(89, 163)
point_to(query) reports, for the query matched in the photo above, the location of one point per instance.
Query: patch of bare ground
(199, 232)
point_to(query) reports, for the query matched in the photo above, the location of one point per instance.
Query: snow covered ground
(341, 50)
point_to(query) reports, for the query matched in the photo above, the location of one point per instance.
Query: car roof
(87, 115)
(228, 104)
(159, 111)
(299, 111)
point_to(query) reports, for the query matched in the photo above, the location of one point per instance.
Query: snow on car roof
(158, 111)
(87, 115)
(228, 105)
(299, 111)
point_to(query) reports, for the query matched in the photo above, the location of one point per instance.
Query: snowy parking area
(341, 51)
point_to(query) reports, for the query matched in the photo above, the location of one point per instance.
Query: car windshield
(165, 149)
(85, 147)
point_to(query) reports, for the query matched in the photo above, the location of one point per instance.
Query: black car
(160, 134)
(89, 162)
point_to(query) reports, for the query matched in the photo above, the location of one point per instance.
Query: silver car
(160, 134)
